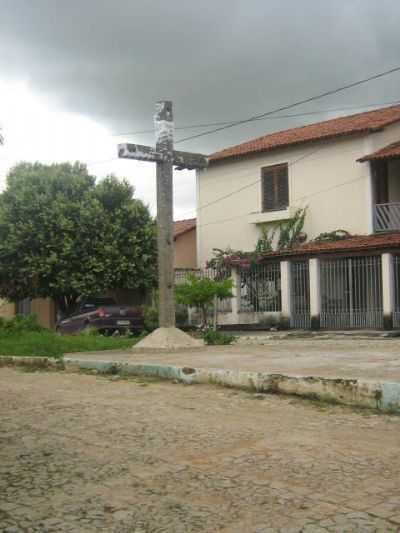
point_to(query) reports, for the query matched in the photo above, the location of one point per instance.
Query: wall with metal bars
(351, 293)
(260, 289)
(300, 317)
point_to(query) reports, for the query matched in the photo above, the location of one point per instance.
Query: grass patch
(48, 344)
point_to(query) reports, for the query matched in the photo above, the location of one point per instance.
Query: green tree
(202, 292)
(62, 235)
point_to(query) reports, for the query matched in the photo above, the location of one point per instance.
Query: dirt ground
(369, 358)
(81, 453)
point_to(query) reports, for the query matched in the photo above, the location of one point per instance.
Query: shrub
(151, 318)
(19, 324)
(212, 337)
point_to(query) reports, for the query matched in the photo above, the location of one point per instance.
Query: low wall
(249, 319)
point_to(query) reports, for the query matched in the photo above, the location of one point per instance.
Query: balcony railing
(387, 217)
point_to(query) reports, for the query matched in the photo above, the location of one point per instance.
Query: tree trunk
(66, 304)
(204, 315)
(215, 313)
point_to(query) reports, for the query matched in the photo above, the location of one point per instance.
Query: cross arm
(189, 160)
(180, 160)
(138, 152)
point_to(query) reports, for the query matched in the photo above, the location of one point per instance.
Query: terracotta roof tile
(183, 226)
(353, 244)
(360, 243)
(367, 122)
(391, 151)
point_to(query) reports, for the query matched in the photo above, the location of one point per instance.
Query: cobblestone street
(81, 453)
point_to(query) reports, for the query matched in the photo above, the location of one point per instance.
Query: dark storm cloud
(217, 59)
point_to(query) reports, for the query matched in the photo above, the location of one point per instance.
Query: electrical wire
(295, 104)
(276, 117)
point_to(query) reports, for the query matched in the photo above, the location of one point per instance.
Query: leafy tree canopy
(62, 235)
(201, 292)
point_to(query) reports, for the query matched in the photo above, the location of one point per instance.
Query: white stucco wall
(324, 176)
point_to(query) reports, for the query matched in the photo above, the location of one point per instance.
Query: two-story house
(346, 171)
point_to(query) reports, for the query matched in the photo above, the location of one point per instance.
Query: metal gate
(396, 273)
(260, 288)
(351, 293)
(300, 295)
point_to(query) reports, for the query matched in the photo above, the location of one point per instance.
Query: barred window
(275, 187)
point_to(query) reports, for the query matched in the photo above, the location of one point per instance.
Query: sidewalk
(351, 358)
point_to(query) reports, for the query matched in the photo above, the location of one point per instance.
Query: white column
(286, 290)
(388, 294)
(199, 257)
(315, 293)
(370, 185)
(236, 294)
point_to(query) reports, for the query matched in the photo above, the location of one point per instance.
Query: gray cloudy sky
(73, 73)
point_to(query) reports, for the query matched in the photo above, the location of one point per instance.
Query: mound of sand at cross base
(168, 339)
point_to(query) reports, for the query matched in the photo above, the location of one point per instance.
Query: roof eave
(184, 231)
(290, 145)
(339, 250)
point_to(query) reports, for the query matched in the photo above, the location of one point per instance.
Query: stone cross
(166, 158)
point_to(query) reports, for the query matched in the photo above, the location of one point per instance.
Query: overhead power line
(291, 106)
(275, 117)
(272, 112)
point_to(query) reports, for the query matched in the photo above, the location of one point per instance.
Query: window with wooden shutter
(275, 187)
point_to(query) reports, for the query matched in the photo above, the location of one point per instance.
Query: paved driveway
(82, 453)
(371, 358)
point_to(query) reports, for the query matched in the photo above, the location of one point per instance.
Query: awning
(391, 151)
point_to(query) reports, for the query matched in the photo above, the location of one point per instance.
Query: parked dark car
(103, 314)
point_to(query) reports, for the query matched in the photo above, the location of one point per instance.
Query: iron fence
(260, 288)
(351, 293)
(300, 317)
(182, 274)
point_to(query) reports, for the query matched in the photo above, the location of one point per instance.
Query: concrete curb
(31, 362)
(381, 395)
(384, 396)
